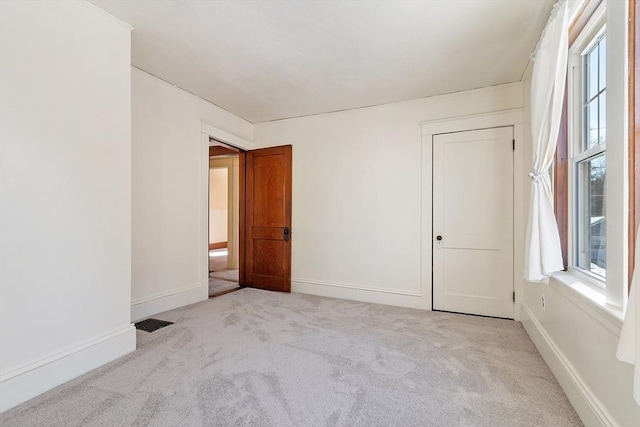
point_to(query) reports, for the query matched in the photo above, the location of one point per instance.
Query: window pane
(592, 127)
(603, 63)
(592, 215)
(602, 118)
(592, 73)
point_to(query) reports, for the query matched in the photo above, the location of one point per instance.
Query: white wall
(232, 213)
(577, 339)
(356, 229)
(65, 200)
(218, 203)
(233, 260)
(169, 211)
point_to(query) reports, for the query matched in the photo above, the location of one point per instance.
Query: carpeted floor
(256, 358)
(217, 259)
(221, 278)
(219, 286)
(225, 274)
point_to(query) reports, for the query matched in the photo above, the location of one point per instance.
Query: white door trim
(210, 131)
(466, 123)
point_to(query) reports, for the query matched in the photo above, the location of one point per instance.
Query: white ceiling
(269, 60)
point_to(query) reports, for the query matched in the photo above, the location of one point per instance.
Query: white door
(473, 222)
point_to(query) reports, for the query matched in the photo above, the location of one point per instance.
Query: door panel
(268, 188)
(268, 258)
(473, 215)
(267, 246)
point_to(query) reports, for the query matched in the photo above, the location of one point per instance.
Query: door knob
(438, 237)
(286, 234)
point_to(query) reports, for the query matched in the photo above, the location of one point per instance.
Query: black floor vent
(150, 325)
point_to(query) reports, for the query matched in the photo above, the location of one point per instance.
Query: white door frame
(210, 131)
(461, 124)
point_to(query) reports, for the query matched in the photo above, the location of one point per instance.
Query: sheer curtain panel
(629, 345)
(543, 254)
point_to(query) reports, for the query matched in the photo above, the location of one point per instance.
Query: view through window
(590, 162)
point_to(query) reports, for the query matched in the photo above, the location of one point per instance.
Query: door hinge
(514, 296)
(513, 146)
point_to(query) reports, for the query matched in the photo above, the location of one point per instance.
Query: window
(587, 151)
(597, 174)
(589, 161)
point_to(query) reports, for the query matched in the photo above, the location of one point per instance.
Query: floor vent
(150, 325)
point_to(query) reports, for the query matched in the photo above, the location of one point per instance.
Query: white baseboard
(589, 408)
(34, 379)
(148, 306)
(397, 297)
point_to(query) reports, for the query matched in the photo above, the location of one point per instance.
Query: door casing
(511, 117)
(210, 132)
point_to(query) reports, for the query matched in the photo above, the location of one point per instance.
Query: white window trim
(591, 152)
(610, 300)
(583, 43)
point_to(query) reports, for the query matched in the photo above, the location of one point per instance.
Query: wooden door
(267, 218)
(473, 222)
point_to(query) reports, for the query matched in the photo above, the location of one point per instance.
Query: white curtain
(543, 254)
(629, 345)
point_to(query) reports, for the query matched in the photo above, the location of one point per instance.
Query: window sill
(591, 300)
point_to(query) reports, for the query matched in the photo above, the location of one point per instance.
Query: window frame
(576, 150)
(561, 159)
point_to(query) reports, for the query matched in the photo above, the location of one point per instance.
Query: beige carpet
(226, 274)
(219, 261)
(219, 286)
(256, 358)
(221, 278)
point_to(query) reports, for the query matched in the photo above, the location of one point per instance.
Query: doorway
(473, 219)
(224, 230)
(256, 208)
